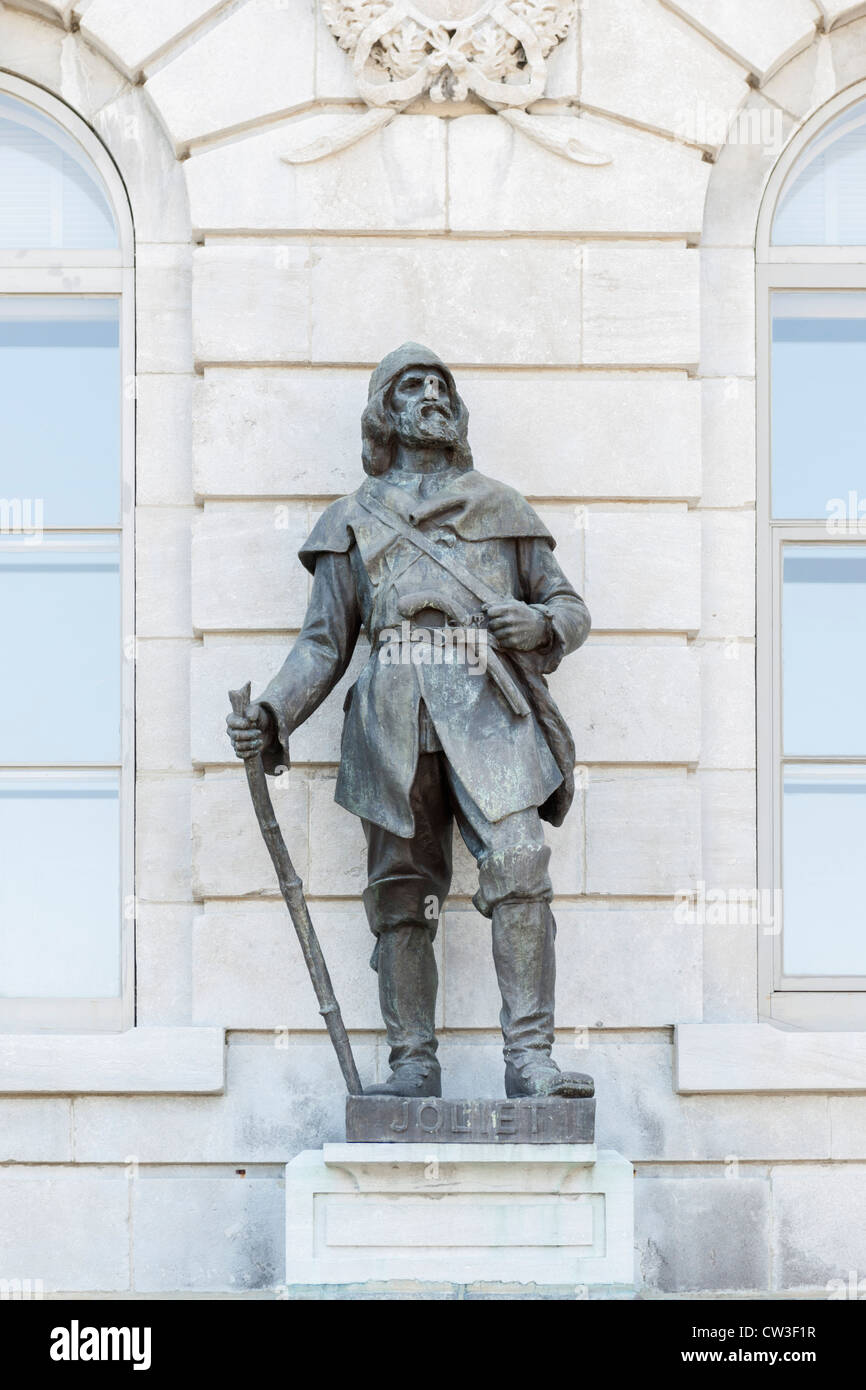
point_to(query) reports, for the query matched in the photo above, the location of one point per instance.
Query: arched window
(812, 569)
(65, 572)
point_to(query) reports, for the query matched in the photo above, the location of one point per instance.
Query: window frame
(98, 274)
(805, 1001)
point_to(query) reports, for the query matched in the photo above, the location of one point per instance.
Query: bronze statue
(452, 577)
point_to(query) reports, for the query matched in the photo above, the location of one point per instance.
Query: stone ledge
(149, 1061)
(710, 1058)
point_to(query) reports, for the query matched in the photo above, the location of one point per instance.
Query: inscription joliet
(395, 1119)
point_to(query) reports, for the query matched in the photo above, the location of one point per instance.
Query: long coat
(362, 570)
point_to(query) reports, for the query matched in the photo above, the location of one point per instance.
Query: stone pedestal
(543, 1214)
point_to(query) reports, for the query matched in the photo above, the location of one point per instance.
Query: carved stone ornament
(447, 49)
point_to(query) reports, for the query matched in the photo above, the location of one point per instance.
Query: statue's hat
(407, 355)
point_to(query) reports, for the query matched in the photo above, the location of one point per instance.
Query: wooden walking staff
(292, 890)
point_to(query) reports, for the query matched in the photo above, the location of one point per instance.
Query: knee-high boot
(523, 952)
(408, 981)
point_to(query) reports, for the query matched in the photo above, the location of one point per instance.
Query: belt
(420, 604)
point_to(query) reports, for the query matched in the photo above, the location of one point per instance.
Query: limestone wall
(601, 323)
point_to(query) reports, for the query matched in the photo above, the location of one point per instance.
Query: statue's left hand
(516, 624)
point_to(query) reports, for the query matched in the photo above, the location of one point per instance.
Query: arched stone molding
(642, 62)
(38, 43)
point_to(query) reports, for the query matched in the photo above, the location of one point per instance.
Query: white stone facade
(600, 319)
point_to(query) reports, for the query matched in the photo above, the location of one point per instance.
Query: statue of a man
(428, 549)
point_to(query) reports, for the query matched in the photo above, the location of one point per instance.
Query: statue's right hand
(251, 732)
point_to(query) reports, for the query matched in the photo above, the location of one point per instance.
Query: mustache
(426, 422)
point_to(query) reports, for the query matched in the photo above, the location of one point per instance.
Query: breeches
(408, 880)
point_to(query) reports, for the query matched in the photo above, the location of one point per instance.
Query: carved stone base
(545, 1215)
(395, 1119)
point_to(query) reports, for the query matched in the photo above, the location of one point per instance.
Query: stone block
(282, 1095)
(617, 967)
(292, 432)
(838, 12)
(644, 63)
(727, 704)
(164, 440)
(278, 433)
(703, 1235)
(335, 78)
(500, 181)
(541, 1214)
(656, 716)
(160, 1061)
(162, 837)
(154, 180)
(206, 90)
(58, 10)
(70, 1231)
(392, 181)
(229, 856)
(163, 283)
(245, 570)
(728, 442)
(730, 952)
(586, 435)
(35, 1131)
(755, 138)
(727, 312)
(819, 1222)
(207, 1233)
(162, 705)
(31, 47)
(642, 833)
(728, 575)
(162, 558)
(848, 1126)
(736, 1057)
(846, 45)
(427, 290)
(642, 570)
(762, 36)
(88, 81)
(251, 302)
(163, 963)
(640, 305)
(728, 828)
(809, 80)
(640, 1110)
(728, 822)
(131, 33)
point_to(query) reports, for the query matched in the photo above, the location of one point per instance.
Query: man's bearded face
(421, 409)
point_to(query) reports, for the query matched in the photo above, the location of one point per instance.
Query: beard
(423, 426)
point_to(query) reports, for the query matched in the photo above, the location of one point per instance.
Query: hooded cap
(376, 427)
(408, 355)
